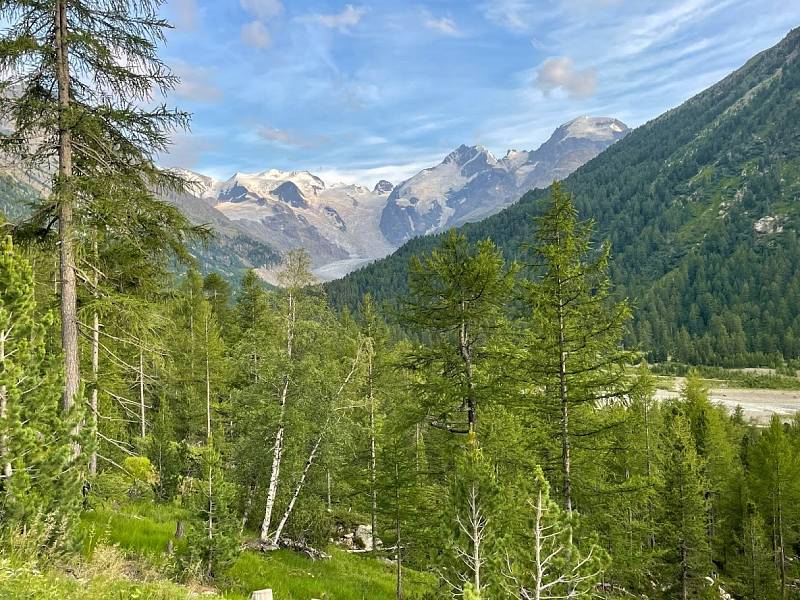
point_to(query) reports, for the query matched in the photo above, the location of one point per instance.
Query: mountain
(230, 251)
(470, 183)
(346, 226)
(337, 223)
(702, 208)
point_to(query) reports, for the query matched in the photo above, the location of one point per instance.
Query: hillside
(701, 208)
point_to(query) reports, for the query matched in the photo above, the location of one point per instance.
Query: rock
(768, 224)
(262, 595)
(362, 537)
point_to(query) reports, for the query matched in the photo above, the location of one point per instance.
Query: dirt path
(758, 404)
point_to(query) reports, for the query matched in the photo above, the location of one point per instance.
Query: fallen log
(288, 544)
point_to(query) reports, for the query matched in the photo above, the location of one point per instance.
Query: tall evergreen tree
(458, 295)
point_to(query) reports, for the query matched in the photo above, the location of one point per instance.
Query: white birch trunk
(143, 423)
(93, 397)
(7, 470)
(277, 449)
(297, 490)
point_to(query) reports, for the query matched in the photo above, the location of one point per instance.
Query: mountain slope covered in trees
(701, 208)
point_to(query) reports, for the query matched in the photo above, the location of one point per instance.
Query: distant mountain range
(470, 183)
(702, 209)
(344, 226)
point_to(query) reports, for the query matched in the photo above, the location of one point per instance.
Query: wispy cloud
(256, 35)
(186, 14)
(288, 138)
(560, 73)
(343, 21)
(442, 25)
(196, 83)
(263, 9)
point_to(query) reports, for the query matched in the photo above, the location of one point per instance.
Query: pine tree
(36, 457)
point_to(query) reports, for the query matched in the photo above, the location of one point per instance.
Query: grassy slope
(141, 533)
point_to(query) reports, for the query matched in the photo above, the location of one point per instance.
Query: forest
(492, 433)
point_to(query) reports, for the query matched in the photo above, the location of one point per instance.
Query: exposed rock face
(383, 187)
(470, 183)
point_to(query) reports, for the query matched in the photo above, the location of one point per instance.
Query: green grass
(344, 577)
(20, 582)
(143, 530)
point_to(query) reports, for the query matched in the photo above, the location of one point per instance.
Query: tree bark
(562, 383)
(208, 387)
(298, 489)
(466, 357)
(277, 449)
(142, 415)
(95, 383)
(7, 470)
(373, 460)
(69, 294)
(398, 557)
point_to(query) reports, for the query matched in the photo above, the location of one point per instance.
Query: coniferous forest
(492, 432)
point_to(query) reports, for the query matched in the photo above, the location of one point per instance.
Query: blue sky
(360, 90)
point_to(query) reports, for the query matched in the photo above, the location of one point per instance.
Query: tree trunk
(208, 388)
(277, 449)
(562, 390)
(95, 383)
(373, 460)
(69, 294)
(466, 357)
(142, 414)
(7, 470)
(298, 489)
(398, 550)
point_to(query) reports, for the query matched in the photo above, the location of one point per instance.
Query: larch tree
(458, 295)
(683, 509)
(551, 566)
(78, 80)
(776, 484)
(572, 348)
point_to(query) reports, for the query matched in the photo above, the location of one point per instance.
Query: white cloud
(195, 83)
(443, 25)
(559, 72)
(343, 21)
(186, 13)
(510, 14)
(255, 35)
(287, 138)
(263, 9)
